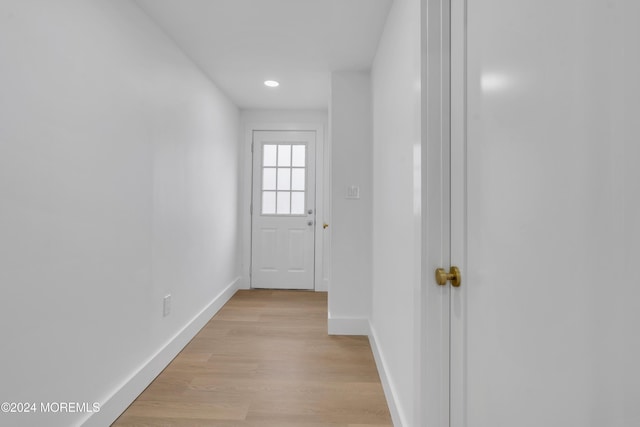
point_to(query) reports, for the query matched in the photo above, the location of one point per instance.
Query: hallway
(142, 143)
(266, 360)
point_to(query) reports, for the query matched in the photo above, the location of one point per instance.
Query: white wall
(351, 148)
(118, 184)
(283, 116)
(286, 120)
(396, 204)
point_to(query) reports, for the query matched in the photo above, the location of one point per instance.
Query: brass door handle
(442, 277)
(325, 225)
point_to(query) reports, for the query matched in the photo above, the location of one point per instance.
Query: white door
(283, 210)
(545, 329)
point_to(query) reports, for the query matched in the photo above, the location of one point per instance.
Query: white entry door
(283, 213)
(545, 329)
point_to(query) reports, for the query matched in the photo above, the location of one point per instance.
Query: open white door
(545, 214)
(283, 213)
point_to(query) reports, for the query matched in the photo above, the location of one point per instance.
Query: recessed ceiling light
(271, 83)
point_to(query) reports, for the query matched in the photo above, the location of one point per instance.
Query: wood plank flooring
(265, 360)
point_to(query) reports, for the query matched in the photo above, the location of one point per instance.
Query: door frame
(246, 179)
(443, 56)
(458, 213)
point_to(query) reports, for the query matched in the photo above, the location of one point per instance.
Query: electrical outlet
(166, 305)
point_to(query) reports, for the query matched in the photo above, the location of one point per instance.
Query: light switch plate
(353, 192)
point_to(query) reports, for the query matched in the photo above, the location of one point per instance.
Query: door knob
(442, 277)
(325, 225)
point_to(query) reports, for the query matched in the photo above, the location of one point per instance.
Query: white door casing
(283, 210)
(545, 201)
(433, 351)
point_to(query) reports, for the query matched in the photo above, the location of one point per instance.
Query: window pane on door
(284, 178)
(268, 202)
(269, 179)
(284, 155)
(284, 202)
(297, 179)
(269, 155)
(297, 203)
(298, 155)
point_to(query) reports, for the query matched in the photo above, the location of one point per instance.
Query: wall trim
(399, 419)
(243, 283)
(114, 405)
(348, 325)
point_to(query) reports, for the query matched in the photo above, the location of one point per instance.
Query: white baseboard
(112, 407)
(399, 419)
(244, 283)
(348, 325)
(322, 285)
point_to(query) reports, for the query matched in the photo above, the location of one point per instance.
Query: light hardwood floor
(265, 360)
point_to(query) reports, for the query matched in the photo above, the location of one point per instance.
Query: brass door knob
(442, 277)
(325, 225)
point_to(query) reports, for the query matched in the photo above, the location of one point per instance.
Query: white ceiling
(242, 43)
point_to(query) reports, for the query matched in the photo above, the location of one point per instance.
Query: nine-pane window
(283, 179)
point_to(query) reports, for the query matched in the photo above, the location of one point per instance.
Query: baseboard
(322, 285)
(399, 419)
(244, 283)
(348, 325)
(122, 397)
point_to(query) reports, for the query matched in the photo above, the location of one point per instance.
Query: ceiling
(241, 43)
